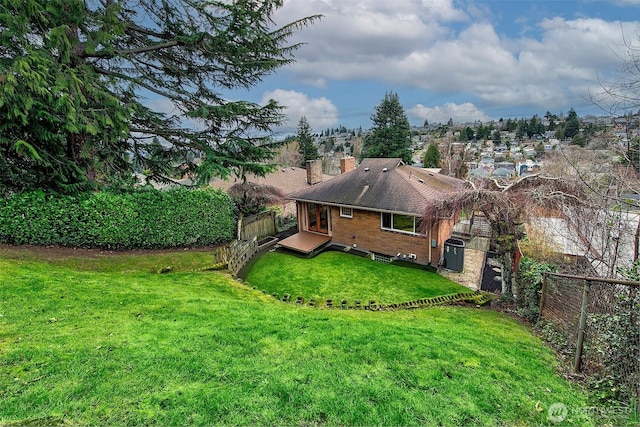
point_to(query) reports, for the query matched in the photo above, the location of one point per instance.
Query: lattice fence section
(597, 321)
(479, 226)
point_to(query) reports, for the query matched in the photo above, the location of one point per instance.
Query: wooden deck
(304, 241)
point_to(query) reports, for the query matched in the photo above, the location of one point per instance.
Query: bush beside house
(143, 219)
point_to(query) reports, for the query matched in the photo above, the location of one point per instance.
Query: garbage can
(454, 254)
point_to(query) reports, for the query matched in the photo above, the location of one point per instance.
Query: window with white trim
(398, 222)
(346, 212)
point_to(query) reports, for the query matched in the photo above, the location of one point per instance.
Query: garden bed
(267, 242)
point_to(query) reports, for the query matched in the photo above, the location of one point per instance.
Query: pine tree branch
(128, 52)
(132, 29)
(136, 81)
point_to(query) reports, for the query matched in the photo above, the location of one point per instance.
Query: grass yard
(338, 275)
(122, 345)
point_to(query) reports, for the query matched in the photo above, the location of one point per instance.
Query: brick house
(376, 207)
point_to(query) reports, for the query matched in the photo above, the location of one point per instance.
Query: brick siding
(364, 230)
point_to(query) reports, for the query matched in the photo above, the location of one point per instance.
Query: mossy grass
(110, 347)
(337, 276)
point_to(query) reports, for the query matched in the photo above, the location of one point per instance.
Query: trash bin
(454, 254)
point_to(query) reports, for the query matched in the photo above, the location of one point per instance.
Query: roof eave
(359, 207)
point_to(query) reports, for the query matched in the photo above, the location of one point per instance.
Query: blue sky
(465, 60)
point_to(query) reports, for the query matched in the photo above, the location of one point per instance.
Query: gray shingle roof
(382, 185)
(287, 179)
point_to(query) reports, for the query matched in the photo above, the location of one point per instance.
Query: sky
(460, 59)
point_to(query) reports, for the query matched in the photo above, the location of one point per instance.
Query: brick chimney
(314, 171)
(347, 164)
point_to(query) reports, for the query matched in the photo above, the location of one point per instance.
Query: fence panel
(610, 350)
(481, 227)
(259, 226)
(477, 226)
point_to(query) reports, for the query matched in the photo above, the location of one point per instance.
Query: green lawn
(130, 347)
(337, 275)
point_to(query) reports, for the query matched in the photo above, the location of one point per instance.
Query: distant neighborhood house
(287, 179)
(605, 247)
(376, 207)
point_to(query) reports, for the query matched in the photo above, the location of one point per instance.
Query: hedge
(144, 219)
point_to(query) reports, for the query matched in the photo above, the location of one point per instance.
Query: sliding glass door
(318, 218)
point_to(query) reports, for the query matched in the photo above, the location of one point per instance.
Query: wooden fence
(258, 226)
(477, 226)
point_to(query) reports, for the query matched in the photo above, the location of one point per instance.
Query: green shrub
(140, 219)
(529, 286)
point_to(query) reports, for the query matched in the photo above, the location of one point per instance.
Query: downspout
(429, 243)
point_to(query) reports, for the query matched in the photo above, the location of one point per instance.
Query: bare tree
(607, 225)
(622, 92)
(252, 198)
(507, 208)
(454, 157)
(288, 155)
(619, 96)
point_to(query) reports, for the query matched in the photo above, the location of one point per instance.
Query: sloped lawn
(338, 275)
(132, 347)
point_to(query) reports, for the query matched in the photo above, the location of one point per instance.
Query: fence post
(543, 295)
(583, 324)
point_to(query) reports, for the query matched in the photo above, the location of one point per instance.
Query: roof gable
(383, 185)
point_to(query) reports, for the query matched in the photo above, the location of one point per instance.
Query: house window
(346, 212)
(398, 222)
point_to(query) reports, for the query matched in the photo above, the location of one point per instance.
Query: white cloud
(543, 72)
(627, 2)
(443, 10)
(358, 39)
(163, 105)
(451, 50)
(421, 44)
(459, 113)
(320, 112)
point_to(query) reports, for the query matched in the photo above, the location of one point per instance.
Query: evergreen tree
(469, 134)
(496, 137)
(391, 132)
(483, 132)
(571, 124)
(432, 157)
(522, 126)
(77, 75)
(307, 148)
